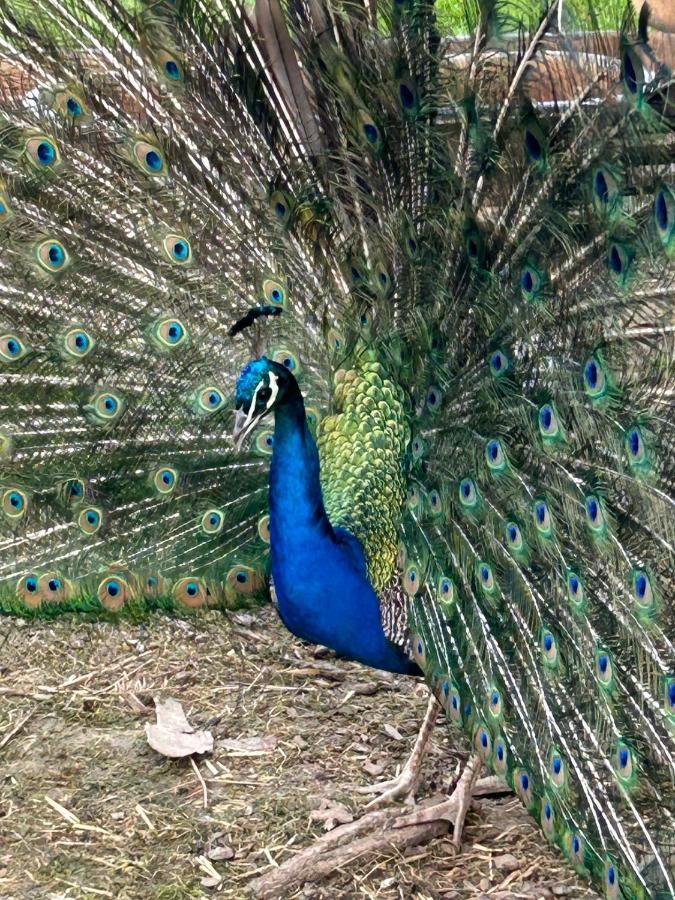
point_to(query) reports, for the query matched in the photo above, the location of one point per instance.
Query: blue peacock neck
(319, 572)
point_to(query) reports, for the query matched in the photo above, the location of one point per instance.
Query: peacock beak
(244, 423)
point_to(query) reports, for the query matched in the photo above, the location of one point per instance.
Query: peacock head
(261, 385)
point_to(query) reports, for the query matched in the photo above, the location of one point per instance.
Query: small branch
(201, 781)
(341, 846)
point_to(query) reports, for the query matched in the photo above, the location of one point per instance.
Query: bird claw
(452, 810)
(402, 787)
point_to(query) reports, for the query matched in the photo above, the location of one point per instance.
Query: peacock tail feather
(471, 241)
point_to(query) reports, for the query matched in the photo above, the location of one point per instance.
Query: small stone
(392, 732)
(485, 884)
(300, 742)
(221, 853)
(507, 862)
(562, 890)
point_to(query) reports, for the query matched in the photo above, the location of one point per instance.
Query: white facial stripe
(251, 409)
(274, 387)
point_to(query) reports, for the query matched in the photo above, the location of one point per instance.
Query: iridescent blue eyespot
(499, 364)
(242, 577)
(74, 107)
(154, 160)
(31, 584)
(406, 95)
(46, 153)
(172, 69)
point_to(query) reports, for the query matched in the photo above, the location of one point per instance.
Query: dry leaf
(173, 735)
(220, 853)
(373, 769)
(331, 814)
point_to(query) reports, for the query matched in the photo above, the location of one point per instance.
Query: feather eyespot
(612, 888)
(90, 520)
(74, 490)
(499, 364)
(287, 359)
(482, 742)
(149, 158)
(495, 456)
(495, 705)
(594, 514)
(190, 592)
(548, 420)
(446, 592)
(113, 592)
(557, 769)
(501, 757)
(468, 493)
(77, 343)
(281, 205)
(264, 529)
(178, 249)
(43, 153)
(547, 818)
(643, 593)
(52, 256)
(522, 783)
(212, 521)
(53, 587)
(165, 480)
(575, 590)
(105, 407)
(6, 211)
(208, 399)
(664, 217)
(12, 348)
(243, 580)
(434, 398)
(549, 649)
(531, 283)
(275, 292)
(28, 591)
(14, 503)
(264, 442)
(411, 580)
(486, 577)
(542, 518)
(167, 333)
(596, 383)
(604, 669)
(514, 537)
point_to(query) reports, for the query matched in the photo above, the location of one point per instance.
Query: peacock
(310, 298)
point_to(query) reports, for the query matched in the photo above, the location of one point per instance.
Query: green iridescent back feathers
(472, 241)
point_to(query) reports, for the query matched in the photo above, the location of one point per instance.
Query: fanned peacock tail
(471, 242)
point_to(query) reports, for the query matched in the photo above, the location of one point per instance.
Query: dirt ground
(88, 809)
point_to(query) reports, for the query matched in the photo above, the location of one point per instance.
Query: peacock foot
(403, 787)
(452, 810)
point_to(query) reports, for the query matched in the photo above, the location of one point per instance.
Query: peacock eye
(165, 479)
(149, 158)
(178, 249)
(43, 152)
(167, 333)
(52, 256)
(12, 348)
(77, 343)
(209, 399)
(264, 394)
(105, 406)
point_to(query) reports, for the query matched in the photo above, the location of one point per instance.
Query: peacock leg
(455, 808)
(405, 784)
